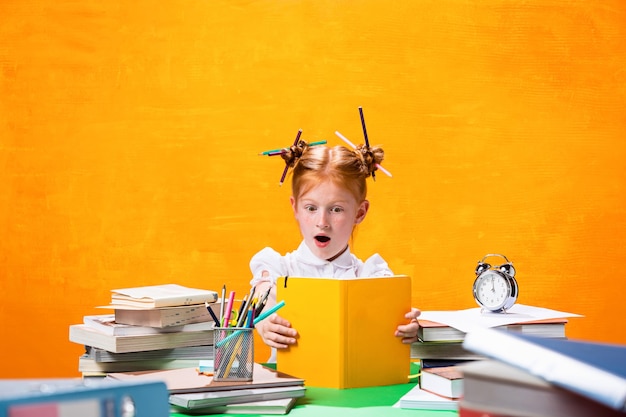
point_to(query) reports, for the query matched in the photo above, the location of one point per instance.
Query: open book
(202, 400)
(281, 406)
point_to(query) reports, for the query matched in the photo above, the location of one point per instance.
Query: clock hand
(493, 287)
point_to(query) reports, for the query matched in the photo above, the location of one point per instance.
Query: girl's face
(326, 214)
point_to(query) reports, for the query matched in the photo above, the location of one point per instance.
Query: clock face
(493, 291)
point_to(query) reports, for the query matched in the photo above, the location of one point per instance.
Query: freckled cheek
(340, 223)
(307, 220)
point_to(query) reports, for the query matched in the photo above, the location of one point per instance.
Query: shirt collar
(304, 255)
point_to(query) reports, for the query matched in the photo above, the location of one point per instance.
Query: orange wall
(129, 134)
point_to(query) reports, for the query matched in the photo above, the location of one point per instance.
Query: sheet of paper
(473, 318)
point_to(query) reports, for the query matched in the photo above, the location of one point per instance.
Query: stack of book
(441, 352)
(153, 327)
(193, 391)
(532, 376)
(438, 340)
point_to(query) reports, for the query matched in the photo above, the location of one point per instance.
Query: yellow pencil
(233, 354)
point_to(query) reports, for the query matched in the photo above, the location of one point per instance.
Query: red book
(467, 410)
(446, 381)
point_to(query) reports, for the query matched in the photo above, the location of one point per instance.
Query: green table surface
(371, 401)
(361, 402)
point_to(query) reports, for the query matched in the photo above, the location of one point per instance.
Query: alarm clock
(495, 288)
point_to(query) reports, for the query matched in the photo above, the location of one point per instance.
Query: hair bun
(294, 153)
(370, 157)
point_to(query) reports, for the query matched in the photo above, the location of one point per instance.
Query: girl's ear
(292, 200)
(362, 211)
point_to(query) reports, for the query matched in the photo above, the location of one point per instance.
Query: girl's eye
(309, 208)
(336, 210)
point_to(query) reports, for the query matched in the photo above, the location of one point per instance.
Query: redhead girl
(328, 200)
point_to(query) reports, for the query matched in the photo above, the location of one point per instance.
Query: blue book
(594, 370)
(76, 397)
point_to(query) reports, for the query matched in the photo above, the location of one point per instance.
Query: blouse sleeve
(375, 266)
(267, 260)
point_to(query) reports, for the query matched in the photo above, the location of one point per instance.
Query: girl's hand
(408, 332)
(276, 332)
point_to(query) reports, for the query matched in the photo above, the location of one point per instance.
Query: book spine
(344, 334)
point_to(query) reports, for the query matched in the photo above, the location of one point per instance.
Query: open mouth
(322, 239)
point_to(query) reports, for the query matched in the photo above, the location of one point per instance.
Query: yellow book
(346, 330)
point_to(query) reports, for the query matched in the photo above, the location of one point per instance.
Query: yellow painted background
(129, 134)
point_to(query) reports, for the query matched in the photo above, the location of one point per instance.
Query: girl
(328, 200)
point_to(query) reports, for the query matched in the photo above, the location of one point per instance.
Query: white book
(105, 323)
(85, 335)
(420, 399)
(276, 407)
(208, 399)
(165, 295)
(446, 381)
(201, 352)
(89, 365)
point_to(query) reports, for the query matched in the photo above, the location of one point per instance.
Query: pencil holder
(234, 354)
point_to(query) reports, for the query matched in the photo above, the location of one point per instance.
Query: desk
(358, 402)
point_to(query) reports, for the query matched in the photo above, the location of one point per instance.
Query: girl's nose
(322, 222)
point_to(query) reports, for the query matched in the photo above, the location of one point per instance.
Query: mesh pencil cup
(234, 354)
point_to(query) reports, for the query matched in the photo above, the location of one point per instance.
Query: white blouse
(303, 263)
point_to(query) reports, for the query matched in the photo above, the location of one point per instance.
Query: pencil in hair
(295, 142)
(367, 142)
